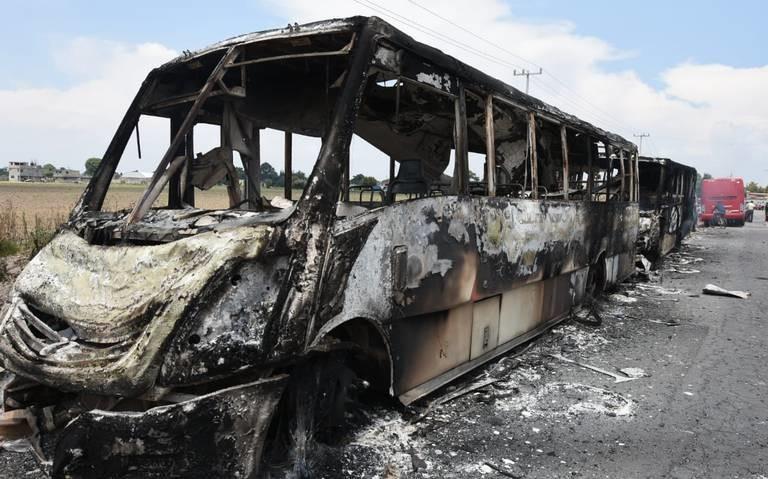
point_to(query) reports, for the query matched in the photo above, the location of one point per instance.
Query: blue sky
(657, 34)
(691, 73)
(662, 33)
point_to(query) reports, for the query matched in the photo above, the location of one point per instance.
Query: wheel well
(372, 361)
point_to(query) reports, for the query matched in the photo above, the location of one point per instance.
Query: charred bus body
(133, 328)
(667, 205)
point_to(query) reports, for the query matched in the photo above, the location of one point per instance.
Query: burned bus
(667, 205)
(133, 328)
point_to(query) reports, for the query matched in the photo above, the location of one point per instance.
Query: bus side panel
(521, 310)
(426, 346)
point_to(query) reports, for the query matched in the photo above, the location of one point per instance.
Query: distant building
(19, 171)
(65, 175)
(136, 177)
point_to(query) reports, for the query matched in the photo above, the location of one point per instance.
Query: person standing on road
(750, 211)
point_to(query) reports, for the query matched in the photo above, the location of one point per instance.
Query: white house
(136, 177)
(19, 171)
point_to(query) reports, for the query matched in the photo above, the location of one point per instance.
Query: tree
(362, 180)
(268, 175)
(473, 176)
(298, 180)
(48, 170)
(699, 178)
(4, 172)
(753, 187)
(91, 165)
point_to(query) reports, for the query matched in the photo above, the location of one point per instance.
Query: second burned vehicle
(160, 341)
(667, 205)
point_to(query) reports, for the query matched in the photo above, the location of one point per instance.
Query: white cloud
(65, 126)
(714, 117)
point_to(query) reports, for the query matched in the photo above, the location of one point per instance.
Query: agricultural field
(36, 208)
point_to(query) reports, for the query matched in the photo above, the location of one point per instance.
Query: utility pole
(641, 136)
(527, 74)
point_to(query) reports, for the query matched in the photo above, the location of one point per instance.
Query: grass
(30, 213)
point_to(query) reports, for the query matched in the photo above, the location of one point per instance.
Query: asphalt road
(699, 411)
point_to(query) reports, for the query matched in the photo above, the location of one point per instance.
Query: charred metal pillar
(188, 191)
(460, 142)
(590, 172)
(490, 147)
(564, 142)
(636, 160)
(288, 174)
(346, 180)
(253, 178)
(622, 172)
(532, 154)
(609, 157)
(391, 177)
(660, 186)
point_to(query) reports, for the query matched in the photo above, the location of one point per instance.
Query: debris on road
(714, 290)
(635, 373)
(677, 269)
(503, 471)
(617, 377)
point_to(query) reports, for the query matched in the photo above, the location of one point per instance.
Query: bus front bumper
(220, 434)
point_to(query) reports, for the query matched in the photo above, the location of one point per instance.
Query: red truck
(728, 191)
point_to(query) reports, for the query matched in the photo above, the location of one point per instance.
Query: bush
(8, 247)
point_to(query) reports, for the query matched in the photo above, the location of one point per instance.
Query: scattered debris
(453, 395)
(620, 298)
(560, 399)
(665, 323)
(617, 377)
(660, 290)
(714, 290)
(643, 266)
(503, 471)
(635, 373)
(676, 269)
(578, 338)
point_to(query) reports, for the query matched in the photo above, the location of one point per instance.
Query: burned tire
(312, 415)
